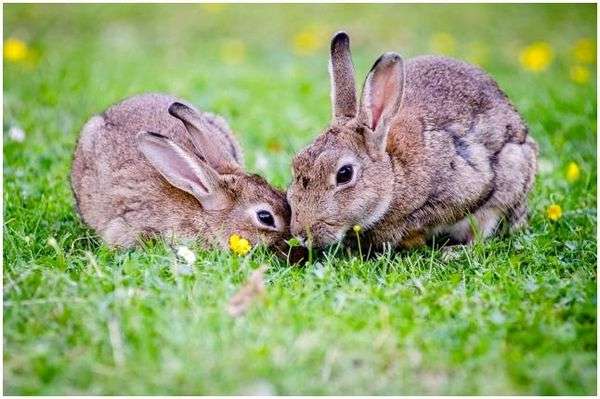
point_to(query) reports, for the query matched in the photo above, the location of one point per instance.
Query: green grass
(512, 315)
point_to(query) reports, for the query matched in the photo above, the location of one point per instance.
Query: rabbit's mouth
(325, 234)
(294, 255)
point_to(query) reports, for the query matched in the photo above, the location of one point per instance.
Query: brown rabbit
(434, 147)
(151, 165)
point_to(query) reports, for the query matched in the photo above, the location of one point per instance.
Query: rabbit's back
(461, 99)
(477, 151)
(118, 193)
(150, 112)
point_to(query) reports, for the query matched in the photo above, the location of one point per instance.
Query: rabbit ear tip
(386, 58)
(391, 55)
(177, 107)
(340, 36)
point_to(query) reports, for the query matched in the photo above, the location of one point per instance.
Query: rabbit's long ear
(341, 70)
(382, 97)
(181, 169)
(207, 138)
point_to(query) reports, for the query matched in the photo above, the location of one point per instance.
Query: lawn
(513, 315)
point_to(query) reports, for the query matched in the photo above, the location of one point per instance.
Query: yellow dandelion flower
(308, 41)
(584, 51)
(213, 8)
(554, 212)
(573, 172)
(274, 145)
(239, 245)
(15, 50)
(536, 57)
(443, 43)
(357, 228)
(580, 74)
(233, 52)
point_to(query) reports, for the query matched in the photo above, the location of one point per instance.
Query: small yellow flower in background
(274, 145)
(233, 52)
(15, 50)
(443, 43)
(536, 57)
(239, 245)
(580, 74)
(554, 212)
(477, 53)
(308, 41)
(213, 7)
(584, 51)
(357, 228)
(573, 172)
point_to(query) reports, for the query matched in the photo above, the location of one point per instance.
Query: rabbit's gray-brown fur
(432, 141)
(151, 165)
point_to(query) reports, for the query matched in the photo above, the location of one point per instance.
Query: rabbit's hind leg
(482, 224)
(517, 218)
(118, 233)
(514, 168)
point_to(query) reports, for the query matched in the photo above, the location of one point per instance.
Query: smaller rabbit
(434, 147)
(152, 165)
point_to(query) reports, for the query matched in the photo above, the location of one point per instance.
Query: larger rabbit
(433, 147)
(153, 166)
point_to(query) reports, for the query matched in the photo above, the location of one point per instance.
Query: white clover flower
(16, 134)
(261, 162)
(186, 254)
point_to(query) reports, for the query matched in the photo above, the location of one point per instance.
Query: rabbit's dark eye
(266, 218)
(344, 174)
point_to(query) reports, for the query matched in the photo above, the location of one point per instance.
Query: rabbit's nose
(299, 233)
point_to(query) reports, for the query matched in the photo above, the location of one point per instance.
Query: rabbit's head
(230, 201)
(345, 177)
